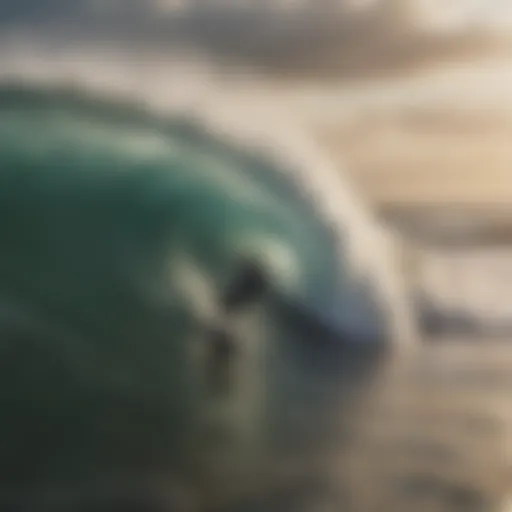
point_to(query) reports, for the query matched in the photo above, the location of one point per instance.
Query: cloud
(322, 37)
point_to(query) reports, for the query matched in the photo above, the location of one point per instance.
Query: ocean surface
(168, 300)
(436, 435)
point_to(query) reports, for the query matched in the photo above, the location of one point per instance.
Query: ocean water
(168, 338)
(172, 304)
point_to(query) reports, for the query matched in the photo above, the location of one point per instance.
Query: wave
(140, 248)
(229, 200)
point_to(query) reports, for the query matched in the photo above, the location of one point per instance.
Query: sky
(454, 13)
(495, 12)
(350, 38)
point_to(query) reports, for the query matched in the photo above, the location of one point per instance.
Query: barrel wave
(170, 303)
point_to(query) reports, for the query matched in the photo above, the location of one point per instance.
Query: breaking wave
(172, 182)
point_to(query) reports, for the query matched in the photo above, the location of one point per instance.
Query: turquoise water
(161, 182)
(120, 233)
